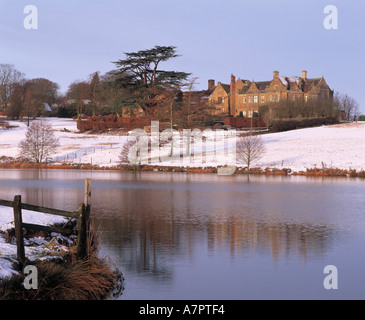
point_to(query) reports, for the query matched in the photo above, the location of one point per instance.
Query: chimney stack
(211, 84)
(304, 74)
(276, 73)
(233, 79)
(232, 106)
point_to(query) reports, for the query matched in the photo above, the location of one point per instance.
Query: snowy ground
(339, 146)
(34, 247)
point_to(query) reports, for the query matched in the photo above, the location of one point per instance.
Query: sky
(215, 38)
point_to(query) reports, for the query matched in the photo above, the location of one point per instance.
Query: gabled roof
(308, 84)
(226, 87)
(263, 85)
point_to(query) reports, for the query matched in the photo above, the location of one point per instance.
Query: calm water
(200, 236)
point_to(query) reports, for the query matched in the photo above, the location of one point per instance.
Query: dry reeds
(89, 279)
(69, 278)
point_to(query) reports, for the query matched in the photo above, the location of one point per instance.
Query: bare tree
(348, 105)
(80, 92)
(9, 76)
(134, 152)
(250, 148)
(39, 143)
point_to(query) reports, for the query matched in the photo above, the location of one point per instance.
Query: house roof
(289, 82)
(47, 107)
(226, 87)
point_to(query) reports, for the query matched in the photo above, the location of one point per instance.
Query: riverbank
(61, 274)
(310, 172)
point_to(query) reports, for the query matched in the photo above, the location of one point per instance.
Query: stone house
(246, 97)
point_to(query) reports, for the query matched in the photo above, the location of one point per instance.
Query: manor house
(244, 97)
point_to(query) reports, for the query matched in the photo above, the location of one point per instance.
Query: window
(274, 97)
(255, 99)
(220, 99)
(244, 99)
(262, 99)
(306, 99)
(250, 99)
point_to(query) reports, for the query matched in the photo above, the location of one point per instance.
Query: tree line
(339, 106)
(138, 85)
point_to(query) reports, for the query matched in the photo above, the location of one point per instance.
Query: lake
(178, 236)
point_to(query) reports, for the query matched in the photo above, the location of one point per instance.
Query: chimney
(233, 79)
(233, 83)
(304, 74)
(276, 73)
(211, 84)
(232, 102)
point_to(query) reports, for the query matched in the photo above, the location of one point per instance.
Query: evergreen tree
(145, 82)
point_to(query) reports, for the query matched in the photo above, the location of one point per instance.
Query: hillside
(337, 146)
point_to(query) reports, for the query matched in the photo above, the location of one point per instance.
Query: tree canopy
(141, 75)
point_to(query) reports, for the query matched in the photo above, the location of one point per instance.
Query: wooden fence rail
(82, 215)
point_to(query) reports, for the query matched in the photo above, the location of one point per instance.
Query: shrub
(292, 124)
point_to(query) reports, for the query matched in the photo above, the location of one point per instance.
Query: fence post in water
(18, 221)
(84, 215)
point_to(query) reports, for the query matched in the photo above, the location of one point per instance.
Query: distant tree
(139, 73)
(37, 92)
(9, 76)
(94, 92)
(16, 100)
(79, 92)
(190, 84)
(249, 149)
(114, 96)
(40, 142)
(348, 105)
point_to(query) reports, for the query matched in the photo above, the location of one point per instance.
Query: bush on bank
(67, 278)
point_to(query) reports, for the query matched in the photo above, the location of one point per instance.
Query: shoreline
(310, 172)
(62, 275)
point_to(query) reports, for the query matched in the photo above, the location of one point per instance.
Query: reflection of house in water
(153, 220)
(174, 220)
(242, 237)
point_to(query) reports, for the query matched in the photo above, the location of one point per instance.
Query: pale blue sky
(249, 38)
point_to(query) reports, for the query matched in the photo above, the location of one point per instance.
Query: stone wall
(241, 122)
(112, 122)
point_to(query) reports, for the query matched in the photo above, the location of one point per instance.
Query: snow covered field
(338, 146)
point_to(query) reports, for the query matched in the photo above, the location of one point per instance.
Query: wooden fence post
(87, 194)
(82, 242)
(18, 220)
(84, 222)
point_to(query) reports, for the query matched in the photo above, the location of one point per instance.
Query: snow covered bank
(336, 146)
(34, 247)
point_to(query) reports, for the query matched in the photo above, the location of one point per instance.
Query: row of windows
(272, 98)
(255, 99)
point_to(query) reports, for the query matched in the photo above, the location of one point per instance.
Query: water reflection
(156, 224)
